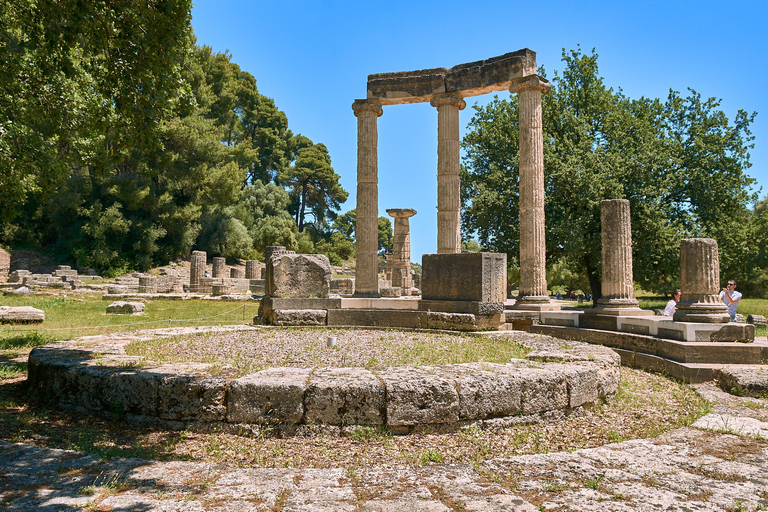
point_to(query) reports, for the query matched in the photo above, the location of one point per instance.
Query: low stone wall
(95, 376)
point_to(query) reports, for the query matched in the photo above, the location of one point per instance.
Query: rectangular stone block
(299, 303)
(462, 306)
(134, 392)
(192, 398)
(378, 318)
(272, 396)
(297, 317)
(416, 397)
(542, 390)
(480, 276)
(486, 390)
(344, 396)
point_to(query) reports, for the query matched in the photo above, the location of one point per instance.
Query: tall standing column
(700, 283)
(401, 252)
(533, 275)
(196, 269)
(367, 226)
(448, 164)
(617, 287)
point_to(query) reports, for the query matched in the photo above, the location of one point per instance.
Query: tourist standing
(672, 304)
(731, 298)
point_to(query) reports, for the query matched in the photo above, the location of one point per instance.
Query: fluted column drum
(700, 283)
(197, 269)
(448, 165)
(616, 228)
(367, 225)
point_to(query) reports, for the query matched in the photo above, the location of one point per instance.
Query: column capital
(401, 212)
(530, 83)
(453, 98)
(367, 105)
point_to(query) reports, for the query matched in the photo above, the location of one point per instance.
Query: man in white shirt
(731, 298)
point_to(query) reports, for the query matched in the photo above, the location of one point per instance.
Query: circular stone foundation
(95, 376)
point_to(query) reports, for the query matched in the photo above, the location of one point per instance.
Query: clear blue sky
(313, 59)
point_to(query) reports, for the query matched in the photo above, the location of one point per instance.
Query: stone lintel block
(462, 306)
(21, 314)
(272, 396)
(480, 276)
(417, 397)
(344, 396)
(131, 391)
(192, 398)
(378, 318)
(406, 86)
(297, 317)
(485, 390)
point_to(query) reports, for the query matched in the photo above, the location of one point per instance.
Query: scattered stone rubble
(21, 315)
(126, 308)
(94, 375)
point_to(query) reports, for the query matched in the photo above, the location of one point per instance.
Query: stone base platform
(172, 296)
(95, 376)
(693, 361)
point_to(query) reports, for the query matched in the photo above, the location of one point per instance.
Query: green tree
(386, 237)
(681, 164)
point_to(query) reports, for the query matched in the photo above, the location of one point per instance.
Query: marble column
(448, 164)
(617, 287)
(700, 283)
(401, 265)
(197, 269)
(367, 226)
(219, 267)
(533, 274)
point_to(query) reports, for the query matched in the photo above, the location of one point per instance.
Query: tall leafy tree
(681, 163)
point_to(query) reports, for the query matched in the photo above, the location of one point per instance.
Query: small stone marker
(125, 308)
(756, 320)
(21, 315)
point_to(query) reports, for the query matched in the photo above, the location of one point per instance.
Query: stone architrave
(533, 278)
(5, 266)
(448, 164)
(219, 267)
(252, 270)
(197, 269)
(401, 252)
(700, 283)
(299, 275)
(618, 294)
(367, 225)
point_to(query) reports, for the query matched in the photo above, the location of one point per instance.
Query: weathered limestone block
(747, 382)
(131, 391)
(147, 284)
(236, 273)
(542, 390)
(192, 398)
(391, 291)
(484, 391)
(86, 388)
(17, 276)
(5, 266)
(451, 321)
(415, 397)
(299, 275)
(462, 306)
(125, 308)
(22, 290)
(581, 383)
(219, 267)
(273, 396)
(21, 315)
(756, 320)
(221, 289)
(478, 276)
(297, 317)
(344, 396)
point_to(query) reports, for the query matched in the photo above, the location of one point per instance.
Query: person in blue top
(731, 298)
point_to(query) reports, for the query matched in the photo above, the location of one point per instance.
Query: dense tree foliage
(125, 145)
(680, 162)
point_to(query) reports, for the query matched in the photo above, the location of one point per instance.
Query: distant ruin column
(252, 269)
(219, 267)
(197, 269)
(448, 163)
(401, 252)
(533, 276)
(700, 283)
(617, 287)
(367, 226)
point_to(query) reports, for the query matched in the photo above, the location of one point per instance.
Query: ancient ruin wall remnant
(700, 282)
(5, 266)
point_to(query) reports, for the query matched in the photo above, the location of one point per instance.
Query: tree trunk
(302, 203)
(594, 280)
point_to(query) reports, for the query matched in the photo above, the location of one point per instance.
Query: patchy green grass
(69, 317)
